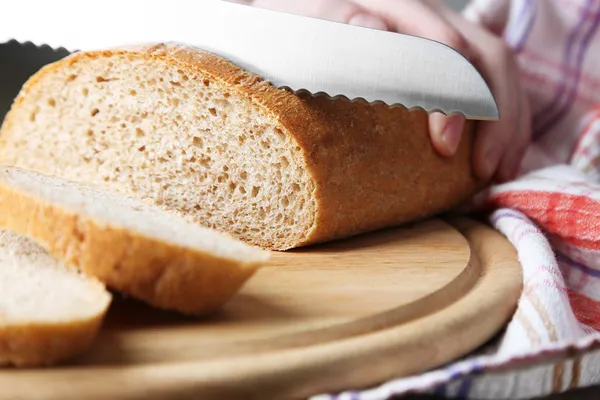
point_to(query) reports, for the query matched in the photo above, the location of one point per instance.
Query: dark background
(17, 63)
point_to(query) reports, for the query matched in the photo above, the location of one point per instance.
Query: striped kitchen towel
(551, 214)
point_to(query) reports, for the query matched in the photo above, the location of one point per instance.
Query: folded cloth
(551, 214)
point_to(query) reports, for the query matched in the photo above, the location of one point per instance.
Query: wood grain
(348, 314)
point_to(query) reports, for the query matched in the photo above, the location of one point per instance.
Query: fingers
(446, 132)
(431, 19)
(496, 139)
(416, 17)
(333, 10)
(488, 150)
(500, 145)
(510, 164)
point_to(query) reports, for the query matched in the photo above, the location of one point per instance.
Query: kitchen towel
(551, 214)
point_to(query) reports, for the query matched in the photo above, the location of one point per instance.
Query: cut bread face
(130, 246)
(202, 138)
(158, 130)
(48, 312)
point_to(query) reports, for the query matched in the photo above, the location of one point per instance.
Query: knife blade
(290, 51)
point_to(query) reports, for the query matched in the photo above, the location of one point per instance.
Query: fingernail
(368, 21)
(452, 133)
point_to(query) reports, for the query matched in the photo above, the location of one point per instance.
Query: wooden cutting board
(349, 314)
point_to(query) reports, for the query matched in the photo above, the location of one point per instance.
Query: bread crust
(34, 345)
(162, 274)
(373, 166)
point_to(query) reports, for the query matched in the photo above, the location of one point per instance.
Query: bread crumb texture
(198, 136)
(48, 312)
(135, 248)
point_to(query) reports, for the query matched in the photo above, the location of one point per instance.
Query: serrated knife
(291, 51)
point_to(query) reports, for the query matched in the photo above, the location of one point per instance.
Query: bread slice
(48, 313)
(130, 246)
(204, 138)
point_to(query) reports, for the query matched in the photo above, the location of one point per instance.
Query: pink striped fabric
(551, 214)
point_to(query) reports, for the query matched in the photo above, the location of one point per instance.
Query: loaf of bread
(48, 313)
(130, 246)
(207, 140)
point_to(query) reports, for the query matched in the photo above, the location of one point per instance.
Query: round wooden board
(344, 315)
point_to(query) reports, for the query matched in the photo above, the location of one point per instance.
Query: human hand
(499, 145)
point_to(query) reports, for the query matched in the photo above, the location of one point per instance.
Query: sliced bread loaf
(201, 137)
(48, 313)
(130, 246)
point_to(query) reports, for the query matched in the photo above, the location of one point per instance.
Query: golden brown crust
(162, 274)
(373, 166)
(46, 344)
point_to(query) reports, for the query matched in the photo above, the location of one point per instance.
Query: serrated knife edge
(289, 51)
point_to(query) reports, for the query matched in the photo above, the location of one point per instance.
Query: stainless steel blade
(289, 51)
